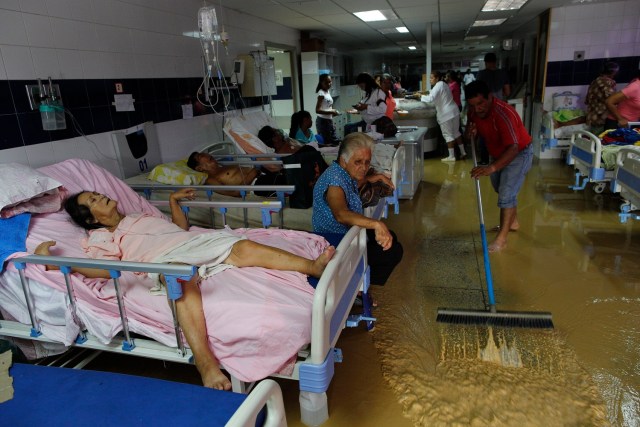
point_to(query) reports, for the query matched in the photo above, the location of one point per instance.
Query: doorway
(287, 99)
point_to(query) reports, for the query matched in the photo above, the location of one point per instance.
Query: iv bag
(208, 23)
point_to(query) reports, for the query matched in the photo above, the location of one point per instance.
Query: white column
(428, 55)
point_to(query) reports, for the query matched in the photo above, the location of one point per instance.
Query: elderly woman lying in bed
(144, 238)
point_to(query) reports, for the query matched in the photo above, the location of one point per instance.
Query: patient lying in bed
(234, 175)
(143, 238)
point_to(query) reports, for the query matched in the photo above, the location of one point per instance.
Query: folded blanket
(14, 236)
(620, 136)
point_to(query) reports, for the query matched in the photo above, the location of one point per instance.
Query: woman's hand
(380, 177)
(43, 248)
(360, 106)
(383, 236)
(183, 193)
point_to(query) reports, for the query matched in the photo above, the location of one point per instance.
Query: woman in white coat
(447, 114)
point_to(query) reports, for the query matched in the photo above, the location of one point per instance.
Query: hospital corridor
(265, 213)
(571, 257)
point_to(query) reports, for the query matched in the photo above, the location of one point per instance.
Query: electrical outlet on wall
(578, 55)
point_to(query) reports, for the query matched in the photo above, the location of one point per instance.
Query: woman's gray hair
(353, 142)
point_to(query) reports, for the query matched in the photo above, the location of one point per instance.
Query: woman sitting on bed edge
(145, 238)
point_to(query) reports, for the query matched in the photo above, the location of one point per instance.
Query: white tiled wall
(102, 39)
(602, 30)
(105, 33)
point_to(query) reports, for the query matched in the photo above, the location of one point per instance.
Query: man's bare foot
(497, 246)
(212, 377)
(321, 262)
(514, 227)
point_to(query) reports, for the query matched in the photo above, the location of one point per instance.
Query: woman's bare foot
(321, 262)
(212, 377)
(497, 246)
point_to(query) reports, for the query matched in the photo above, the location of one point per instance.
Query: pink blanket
(257, 319)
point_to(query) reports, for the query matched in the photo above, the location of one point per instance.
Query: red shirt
(501, 128)
(455, 91)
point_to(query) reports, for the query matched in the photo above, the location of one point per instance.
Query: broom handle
(483, 234)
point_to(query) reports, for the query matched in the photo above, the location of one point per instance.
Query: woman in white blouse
(447, 114)
(374, 102)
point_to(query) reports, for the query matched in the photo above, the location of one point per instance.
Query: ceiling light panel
(488, 22)
(495, 5)
(371, 15)
(412, 48)
(402, 29)
(376, 15)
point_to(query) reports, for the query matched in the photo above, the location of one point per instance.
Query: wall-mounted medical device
(237, 75)
(47, 99)
(259, 74)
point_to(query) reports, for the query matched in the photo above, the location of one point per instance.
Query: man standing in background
(497, 79)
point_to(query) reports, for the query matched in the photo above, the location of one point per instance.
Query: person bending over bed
(234, 175)
(337, 205)
(145, 238)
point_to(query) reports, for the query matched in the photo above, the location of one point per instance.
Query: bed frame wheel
(599, 187)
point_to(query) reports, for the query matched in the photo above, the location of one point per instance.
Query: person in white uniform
(447, 114)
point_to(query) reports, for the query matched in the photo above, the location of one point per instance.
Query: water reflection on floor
(571, 257)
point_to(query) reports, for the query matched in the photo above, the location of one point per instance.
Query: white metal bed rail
(281, 192)
(173, 274)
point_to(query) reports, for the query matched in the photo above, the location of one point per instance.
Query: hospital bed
(299, 328)
(585, 155)
(46, 395)
(626, 181)
(242, 130)
(559, 124)
(295, 219)
(554, 134)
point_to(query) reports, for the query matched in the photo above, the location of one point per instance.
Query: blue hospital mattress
(47, 396)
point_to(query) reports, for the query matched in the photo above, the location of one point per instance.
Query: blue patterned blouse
(335, 176)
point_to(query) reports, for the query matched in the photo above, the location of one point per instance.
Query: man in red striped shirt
(509, 145)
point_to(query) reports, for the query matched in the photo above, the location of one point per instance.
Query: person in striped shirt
(509, 145)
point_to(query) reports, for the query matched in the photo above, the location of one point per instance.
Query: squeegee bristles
(504, 319)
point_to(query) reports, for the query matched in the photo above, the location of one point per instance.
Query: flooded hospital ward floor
(571, 257)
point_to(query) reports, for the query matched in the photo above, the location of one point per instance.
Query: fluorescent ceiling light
(488, 22)
(412, 48)
(371, 15)
(495, 5)
(475, 37)
(402, 29)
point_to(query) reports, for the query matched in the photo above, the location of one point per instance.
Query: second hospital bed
(299, 326)
(626, 181)
(45, 395)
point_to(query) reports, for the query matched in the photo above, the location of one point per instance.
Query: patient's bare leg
(247, 253)
(191, 317)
